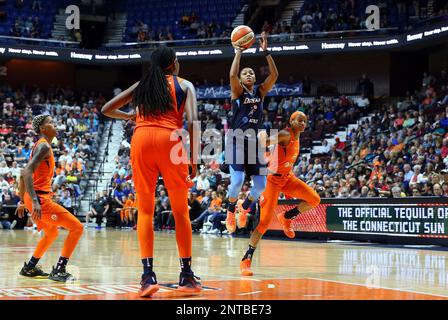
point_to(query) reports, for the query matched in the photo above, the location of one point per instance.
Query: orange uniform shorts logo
(54, 217)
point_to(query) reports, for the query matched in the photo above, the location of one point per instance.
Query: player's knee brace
(259, 186)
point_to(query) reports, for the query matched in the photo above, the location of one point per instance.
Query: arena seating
(159, 15)
(45, 13)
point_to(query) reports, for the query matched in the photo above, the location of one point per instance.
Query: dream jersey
(247, 111)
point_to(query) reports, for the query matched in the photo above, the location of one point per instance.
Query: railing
(55, 43)
(273, 38)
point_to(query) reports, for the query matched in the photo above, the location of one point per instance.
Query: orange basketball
(242, 36)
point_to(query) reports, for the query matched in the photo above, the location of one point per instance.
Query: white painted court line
(395, 289)
(248, 293)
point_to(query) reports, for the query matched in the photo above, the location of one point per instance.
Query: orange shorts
(153, 154)
(51, 211)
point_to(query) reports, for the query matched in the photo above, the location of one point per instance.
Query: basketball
(242, 36)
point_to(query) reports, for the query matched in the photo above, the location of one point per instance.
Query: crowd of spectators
(192, 27)
(350, 15)
(142, 33)
(401, 151)
(200, 29)
(79, 125)
(29, 27)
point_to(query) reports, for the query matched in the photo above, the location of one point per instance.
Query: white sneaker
(208, 224)
(13, 224)
(214, 231)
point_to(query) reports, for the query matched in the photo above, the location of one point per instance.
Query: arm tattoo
(39, 155)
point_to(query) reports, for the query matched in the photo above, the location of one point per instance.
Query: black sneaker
(34, 272)
(188, 282)
(149, 285)
(60, 275)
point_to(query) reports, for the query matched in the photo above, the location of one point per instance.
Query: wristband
(266, 53)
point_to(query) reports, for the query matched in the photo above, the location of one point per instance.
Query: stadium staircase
(288, 12)
(59, 28)
(116, 29)
(103, 170)
(239, 19)
(312, 142)
(341, 134)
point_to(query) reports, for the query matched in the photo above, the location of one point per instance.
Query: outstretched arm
(235, 84)
(110, 109)
(282, 138)
(269, 82)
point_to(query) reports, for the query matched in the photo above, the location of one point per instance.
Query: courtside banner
(409, 220)
(405, 217)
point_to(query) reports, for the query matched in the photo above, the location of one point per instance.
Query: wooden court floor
(108, 267)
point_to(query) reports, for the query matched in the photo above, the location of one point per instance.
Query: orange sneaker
(241, 220)
(287, 225)
(245, 268)
(230, 222)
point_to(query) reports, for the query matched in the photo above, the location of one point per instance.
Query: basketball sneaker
(188, 282)
(230, 222)
(61, 275)
(287, 225)
(149, 285)
(241, 220)
(245, 267)
(34, 272)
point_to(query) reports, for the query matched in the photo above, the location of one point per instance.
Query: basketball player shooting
(282, 179)
(247, 110)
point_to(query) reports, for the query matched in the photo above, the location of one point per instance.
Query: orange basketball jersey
(45, 171)
(172, 119)
(286, 156)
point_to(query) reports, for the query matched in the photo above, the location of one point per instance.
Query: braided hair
(38, 121)
(152, 96)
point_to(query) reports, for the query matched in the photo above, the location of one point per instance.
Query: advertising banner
(223, 92)
(407, 217)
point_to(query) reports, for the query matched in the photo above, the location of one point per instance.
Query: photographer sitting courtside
(99, 209)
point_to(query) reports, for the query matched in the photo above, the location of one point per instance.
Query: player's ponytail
(152, 95)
